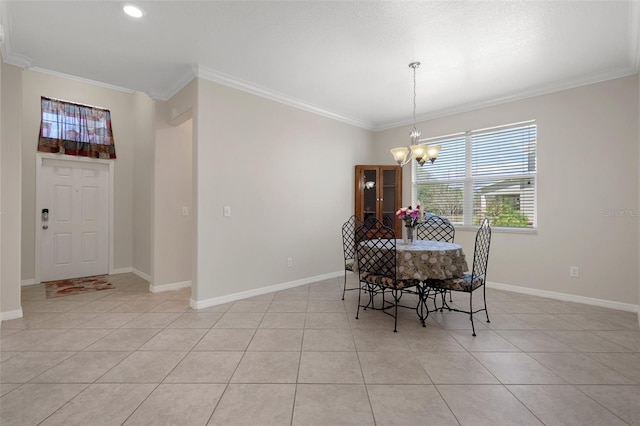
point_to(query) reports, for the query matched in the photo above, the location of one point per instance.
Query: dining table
(425, 260)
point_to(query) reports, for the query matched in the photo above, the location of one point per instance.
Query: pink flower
(412, 217)
(401, 213)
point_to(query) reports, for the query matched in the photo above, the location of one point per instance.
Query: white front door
(74, 224)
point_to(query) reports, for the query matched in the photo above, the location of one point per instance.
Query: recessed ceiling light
(133, 11)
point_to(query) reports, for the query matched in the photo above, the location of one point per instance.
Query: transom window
(482, 173)
(75, 129)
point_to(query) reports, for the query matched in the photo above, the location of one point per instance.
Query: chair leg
(359, 296)
(473, 328)
(422, 302)
(344, 287)
(371, 291)
(395, 319)
(450, 296)
(443, 294)
(484, 293)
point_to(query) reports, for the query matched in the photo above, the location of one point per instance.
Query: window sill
(500, 229)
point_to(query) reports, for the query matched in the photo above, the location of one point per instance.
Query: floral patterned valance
(75, 129)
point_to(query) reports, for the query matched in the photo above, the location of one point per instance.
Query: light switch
(227, 211)
(185, 211)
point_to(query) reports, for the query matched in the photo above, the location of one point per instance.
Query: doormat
(71, 286)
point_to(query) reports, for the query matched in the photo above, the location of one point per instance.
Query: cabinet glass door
(370, 194)
(378, 192)
(389, 198)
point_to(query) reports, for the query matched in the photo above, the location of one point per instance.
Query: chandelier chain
(414, 96)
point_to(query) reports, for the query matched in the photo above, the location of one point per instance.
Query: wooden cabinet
(379, 194)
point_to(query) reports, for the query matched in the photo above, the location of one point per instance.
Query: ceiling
(343, 59)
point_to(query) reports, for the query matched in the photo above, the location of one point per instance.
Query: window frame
(469, 179)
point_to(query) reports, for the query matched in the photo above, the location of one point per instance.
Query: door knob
(45, 226)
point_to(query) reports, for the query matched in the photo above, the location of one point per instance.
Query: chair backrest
(349, 237)
(376, 249)
(436, 228)
(388, 221)
(481, 251)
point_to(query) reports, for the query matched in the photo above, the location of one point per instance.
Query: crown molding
(245, 86)
(545, 90)
(26, 63)
(8, 56)
(178, 85)
(82, 80)
(226, 80)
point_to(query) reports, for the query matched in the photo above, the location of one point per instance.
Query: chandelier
(421, 153)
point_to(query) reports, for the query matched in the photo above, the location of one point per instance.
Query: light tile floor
(299, 357)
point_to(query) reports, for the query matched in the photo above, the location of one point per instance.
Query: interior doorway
(173, 211)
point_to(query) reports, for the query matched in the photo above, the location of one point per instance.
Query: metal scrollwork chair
(387, 221)
(476, 279)
(377, 270)
(437, 228)
(349, 248)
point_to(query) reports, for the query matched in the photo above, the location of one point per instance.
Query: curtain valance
(75, 129)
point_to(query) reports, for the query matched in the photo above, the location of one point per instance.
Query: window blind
(440, 185)
(483, 173)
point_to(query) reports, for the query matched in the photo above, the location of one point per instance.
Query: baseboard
(9, 315)
(31, 281)
(141, 274)
(566, 297)
(121, 271)
(168, 287)
(206, 303)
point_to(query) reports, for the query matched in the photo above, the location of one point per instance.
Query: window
(75, 129)
(482, 173)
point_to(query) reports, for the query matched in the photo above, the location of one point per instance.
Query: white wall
(287, 176)
(10, 180)
(126, 134)
(143, 167)
(173, 231)
(1, 147)
(587, 165)
(180, 109)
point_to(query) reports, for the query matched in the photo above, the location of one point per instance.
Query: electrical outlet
(289, 262)
(185, 211)
(574, 271)
(226, 211)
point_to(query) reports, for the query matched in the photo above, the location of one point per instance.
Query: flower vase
(409, 235)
